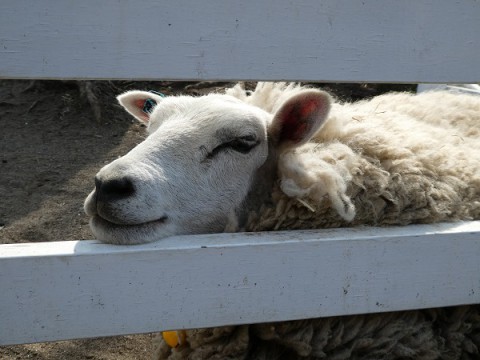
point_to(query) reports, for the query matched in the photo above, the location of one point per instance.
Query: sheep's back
(394, 160)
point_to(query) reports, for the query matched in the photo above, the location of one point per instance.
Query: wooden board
(329, 40)
(78, 289)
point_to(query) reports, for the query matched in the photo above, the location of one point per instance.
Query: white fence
(64, 290)
(313, 40)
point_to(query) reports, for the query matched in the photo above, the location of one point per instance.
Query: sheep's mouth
(115, 222)
(127, 234)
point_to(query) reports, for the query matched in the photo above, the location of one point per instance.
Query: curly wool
(377, 162)
(448, 333)
(396, 159)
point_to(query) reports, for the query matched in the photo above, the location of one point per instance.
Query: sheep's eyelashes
(242, 145)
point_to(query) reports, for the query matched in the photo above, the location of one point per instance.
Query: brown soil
(54, 137)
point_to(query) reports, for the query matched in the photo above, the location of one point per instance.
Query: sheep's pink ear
(300, 117)
(139, 103)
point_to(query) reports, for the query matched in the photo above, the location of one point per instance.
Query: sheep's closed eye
(242, 144)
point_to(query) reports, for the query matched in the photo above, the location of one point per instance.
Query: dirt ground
(54, 137)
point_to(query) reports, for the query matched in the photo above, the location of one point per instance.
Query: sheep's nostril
(114, 189)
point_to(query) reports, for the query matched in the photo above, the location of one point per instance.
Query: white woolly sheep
(289, 157)
(281, 159)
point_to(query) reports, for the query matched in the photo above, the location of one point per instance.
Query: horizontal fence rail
(311, 40)
(79, 289)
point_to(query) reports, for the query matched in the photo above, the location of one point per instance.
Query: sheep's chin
(111, 233)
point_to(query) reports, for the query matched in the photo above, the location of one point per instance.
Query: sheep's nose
(113, 189)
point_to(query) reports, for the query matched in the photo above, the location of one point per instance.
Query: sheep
(445, 333)
(288, 157)
(207, 162)
(284, 157)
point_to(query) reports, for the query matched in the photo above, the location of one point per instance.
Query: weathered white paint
(329, 40)
(63, 290)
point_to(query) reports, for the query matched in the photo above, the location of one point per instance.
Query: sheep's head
(197, 169)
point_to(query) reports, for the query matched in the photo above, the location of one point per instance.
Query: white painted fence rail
(64, 290)
(311, 40)
(78, 289)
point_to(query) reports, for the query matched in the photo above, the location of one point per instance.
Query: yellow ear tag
(174, 338)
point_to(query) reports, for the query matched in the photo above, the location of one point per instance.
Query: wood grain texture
(64, 290)
(329, 40)
(79, 289)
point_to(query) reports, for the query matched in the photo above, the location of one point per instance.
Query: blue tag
(157, 93)
(150, 103)
(148, 106)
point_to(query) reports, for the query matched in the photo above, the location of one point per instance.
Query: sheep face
(196, 169)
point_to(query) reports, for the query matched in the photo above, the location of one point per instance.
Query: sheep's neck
(260, 192)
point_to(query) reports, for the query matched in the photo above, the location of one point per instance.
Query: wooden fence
(77, 289)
